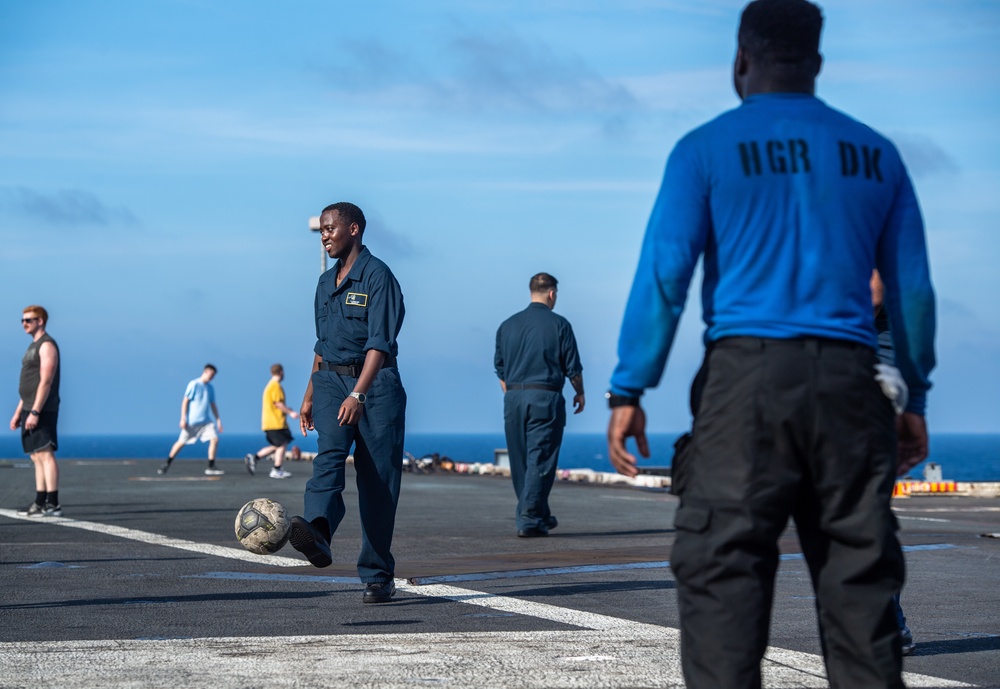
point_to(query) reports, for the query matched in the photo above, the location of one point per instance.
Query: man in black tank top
(37, 412)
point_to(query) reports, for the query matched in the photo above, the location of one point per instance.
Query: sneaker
(32, 510)
(250, 460)
(51, 510)
(280, 473)
(906, 639)
(212, 471)
(163, 468)
(379, 592)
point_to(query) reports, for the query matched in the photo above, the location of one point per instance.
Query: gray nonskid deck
(142, 583)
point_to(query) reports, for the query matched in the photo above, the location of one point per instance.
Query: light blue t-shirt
(202, 397)
(792, 204)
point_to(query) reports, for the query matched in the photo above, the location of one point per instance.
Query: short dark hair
(276, 369)
(541, 283)
(784, 34)
(210, 366)
(349, 212)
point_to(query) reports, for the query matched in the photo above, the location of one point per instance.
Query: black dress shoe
(533, 532)
(552, 522)
(379, 592)
(307, 539)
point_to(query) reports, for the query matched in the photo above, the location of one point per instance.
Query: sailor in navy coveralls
(354, 398)
(535, 351)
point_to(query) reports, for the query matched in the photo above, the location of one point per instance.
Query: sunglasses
(28, 320)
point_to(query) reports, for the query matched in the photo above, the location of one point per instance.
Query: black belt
(533, 386)
(353, 370)
(813, 344)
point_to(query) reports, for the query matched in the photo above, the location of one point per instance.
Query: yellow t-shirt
(272, 418)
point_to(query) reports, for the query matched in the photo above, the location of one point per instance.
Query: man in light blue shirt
(199, 420)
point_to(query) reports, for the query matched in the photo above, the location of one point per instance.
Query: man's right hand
(911, 434)
(15, 421)
(306, 416)
(626, 422)
(183, 424)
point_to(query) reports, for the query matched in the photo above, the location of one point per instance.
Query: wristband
(33, 412)
(620, 400)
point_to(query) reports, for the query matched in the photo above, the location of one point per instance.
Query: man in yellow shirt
(274, 424)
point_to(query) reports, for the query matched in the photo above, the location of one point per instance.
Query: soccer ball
(262, 526)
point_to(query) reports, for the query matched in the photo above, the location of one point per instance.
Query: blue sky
(159, 162)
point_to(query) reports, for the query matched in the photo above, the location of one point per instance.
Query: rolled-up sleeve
(385, 313)
(318, 348)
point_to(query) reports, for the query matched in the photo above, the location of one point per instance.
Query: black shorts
(279, 437)
(41, 437)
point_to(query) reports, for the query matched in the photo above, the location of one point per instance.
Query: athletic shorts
(41, 437)
(202, 431)
(278, 437)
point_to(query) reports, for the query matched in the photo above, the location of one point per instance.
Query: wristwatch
(360, 397)
(33, 412)
(620, 400)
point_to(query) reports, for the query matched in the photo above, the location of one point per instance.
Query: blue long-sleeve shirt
(792, 204)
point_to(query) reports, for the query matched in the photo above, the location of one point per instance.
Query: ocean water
(963, 457)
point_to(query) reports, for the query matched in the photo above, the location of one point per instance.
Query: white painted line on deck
(645, 654)
(157, 539)
(781, 667)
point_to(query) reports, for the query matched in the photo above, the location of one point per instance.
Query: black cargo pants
(800, 429)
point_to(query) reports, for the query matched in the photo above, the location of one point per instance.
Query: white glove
(893, 386)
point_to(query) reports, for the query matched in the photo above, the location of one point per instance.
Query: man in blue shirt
(791, 204)
(354, 398)
(535, 352)
(199, 420)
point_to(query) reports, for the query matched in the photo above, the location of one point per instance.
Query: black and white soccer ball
(262, 526)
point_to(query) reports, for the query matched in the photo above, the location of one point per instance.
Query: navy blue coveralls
(364, 312)
(536, 351)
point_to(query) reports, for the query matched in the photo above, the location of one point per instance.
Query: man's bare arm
(48, 358)
(306, 412)
(913, 446)
(626, 422)
(579, 401)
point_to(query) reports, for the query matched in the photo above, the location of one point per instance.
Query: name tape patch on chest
(356, 299)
